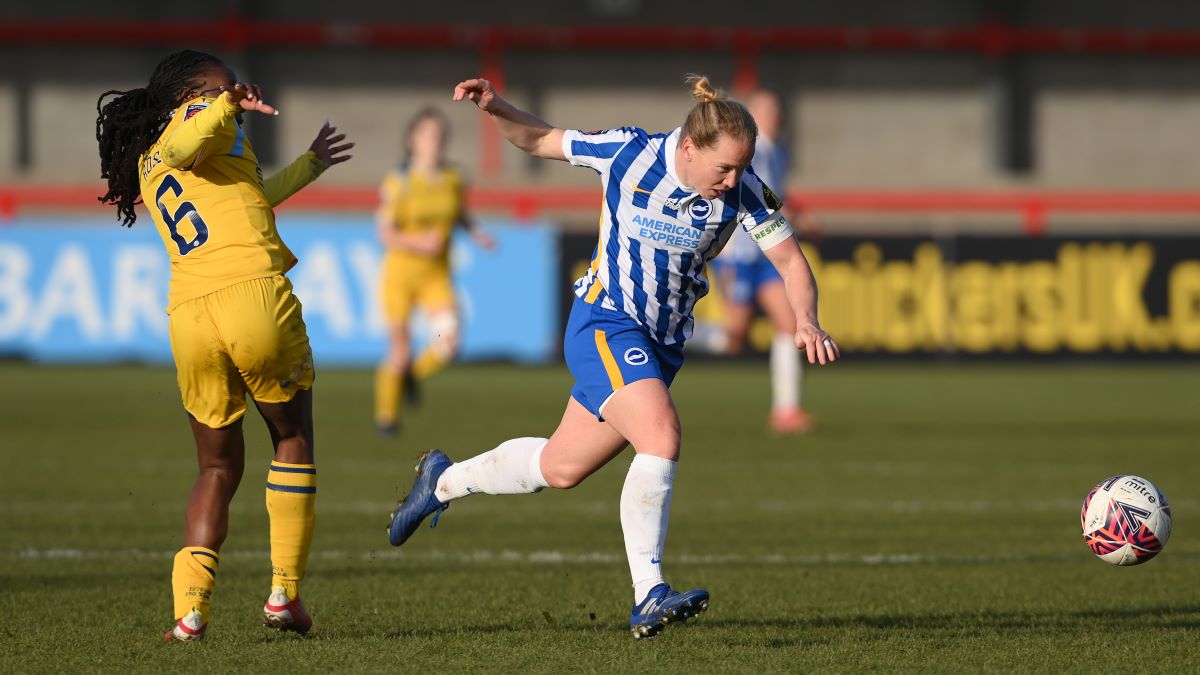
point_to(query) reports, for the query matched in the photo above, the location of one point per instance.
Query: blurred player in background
(748, 277)
(669, 202)
(235, 325)
(420, 203)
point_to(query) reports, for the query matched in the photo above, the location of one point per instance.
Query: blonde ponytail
(702, 89)
(715, 116)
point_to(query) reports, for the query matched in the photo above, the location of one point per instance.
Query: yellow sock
(291, 498)
(193, 578)
(429, 362)
(387, 395)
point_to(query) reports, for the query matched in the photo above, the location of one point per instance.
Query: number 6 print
(185, 210)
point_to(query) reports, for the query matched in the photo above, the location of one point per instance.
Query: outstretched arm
(522, 129)
(321, 155)
(481, 237)
(801, 289)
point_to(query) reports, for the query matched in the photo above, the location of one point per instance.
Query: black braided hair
(129, 124)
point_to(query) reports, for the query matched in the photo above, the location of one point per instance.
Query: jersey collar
(672, 142)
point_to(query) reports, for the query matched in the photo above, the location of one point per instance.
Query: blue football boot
(662, 606)
(421, 501)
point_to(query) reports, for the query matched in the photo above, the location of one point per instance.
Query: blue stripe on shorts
(606, 349)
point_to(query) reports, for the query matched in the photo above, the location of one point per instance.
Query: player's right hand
(431, 244)
(249, 96)
(479, 91)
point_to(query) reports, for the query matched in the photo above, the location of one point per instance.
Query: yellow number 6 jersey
(202, 185)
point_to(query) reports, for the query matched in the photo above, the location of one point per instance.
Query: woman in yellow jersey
(421, 201)
(235, 326)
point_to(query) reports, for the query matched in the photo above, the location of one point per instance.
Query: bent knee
(666, 438)
(446, 345)
(563, 479)
(221, 472)
(294, 450)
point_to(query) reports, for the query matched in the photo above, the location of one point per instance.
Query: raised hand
(479, 91)
(249, 96)
(324, 148)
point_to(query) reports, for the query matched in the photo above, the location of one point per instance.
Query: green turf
(929, 524)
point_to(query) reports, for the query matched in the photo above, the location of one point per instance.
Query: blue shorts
(742, 280)
(606, 350)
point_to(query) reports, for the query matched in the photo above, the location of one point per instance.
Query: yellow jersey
(204, 188)
(419, 204)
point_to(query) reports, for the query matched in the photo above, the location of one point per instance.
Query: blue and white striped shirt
(656, 235)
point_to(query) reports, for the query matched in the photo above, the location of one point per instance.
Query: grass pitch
(930, 523)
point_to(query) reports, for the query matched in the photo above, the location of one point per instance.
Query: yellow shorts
(403, 287)
(247, 338)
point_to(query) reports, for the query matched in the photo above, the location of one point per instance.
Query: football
(1126, 520)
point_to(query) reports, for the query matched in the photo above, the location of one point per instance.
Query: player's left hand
(483, 240)
(324, 148)
(819, 346)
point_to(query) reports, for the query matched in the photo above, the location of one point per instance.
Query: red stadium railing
(992, 39)
(1031, 208)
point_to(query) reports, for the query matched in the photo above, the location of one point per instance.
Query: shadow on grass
(1183, 616)
(494, 629)
(1173, 617)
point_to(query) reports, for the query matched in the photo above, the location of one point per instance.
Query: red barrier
(235, 32)
(524, 203)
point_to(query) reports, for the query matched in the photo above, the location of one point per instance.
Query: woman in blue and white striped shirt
(671, 201)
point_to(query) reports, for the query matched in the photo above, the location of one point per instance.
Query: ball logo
(636, 356)
(1126, 520)
(701, 209)
(193, 109)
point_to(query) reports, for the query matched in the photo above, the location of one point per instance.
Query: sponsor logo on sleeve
(192, 109)
(773, 201)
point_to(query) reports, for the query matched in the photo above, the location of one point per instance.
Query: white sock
(645, 505)
(512, 468)
(785, 372)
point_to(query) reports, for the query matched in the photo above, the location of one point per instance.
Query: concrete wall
(1121, 123)
(854, 119)
(8, 130)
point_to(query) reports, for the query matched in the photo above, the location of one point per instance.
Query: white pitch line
(551, 557)
(596, 506)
